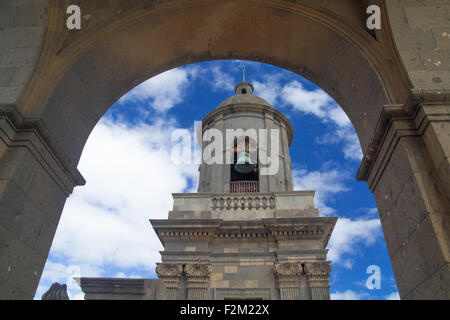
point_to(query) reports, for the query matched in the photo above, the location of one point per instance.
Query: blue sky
(104, 229)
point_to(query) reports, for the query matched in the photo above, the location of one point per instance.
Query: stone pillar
(170, 274)
(197, 281)
(288, 280)
(318, 276)
(408, 171)
(35, 180)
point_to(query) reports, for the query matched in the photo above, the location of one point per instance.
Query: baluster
(264, 203)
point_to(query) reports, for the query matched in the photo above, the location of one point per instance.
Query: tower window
(244, 174)
(244, 91)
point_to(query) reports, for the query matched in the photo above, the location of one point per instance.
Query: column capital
(318, 273)
(288, 274)
(197, 275)
(197, 281)
(170, 273)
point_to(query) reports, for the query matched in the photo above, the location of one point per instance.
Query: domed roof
(244, 95)
(245, 101)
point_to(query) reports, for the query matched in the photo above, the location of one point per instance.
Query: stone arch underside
(131, 51)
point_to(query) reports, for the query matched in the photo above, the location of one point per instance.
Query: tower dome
(244, 95)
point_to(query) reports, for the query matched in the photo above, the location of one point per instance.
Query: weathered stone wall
(22, 33)
(421, 29)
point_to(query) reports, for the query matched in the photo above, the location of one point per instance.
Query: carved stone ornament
(287, 269)
(288, 275)
(318, 270)
(198, 270)
(168, 270)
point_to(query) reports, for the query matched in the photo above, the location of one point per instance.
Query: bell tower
(244, 155)
(246, 233)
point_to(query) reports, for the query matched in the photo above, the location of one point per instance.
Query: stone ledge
(409, 119)
(261, 204)
(278, 228)
(33, 134)
(112, 286)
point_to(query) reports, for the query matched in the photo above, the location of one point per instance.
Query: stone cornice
(395, 121)
(16, 131)
(112, 286)
(278, 228)
(318, 272)
(21, 123)
(168, 270)
(255, 108)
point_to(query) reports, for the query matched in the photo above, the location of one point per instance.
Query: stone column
(197, 281)
(288, 280)
(318, 276)
(170, 274)
(36, 178)
(409, 174)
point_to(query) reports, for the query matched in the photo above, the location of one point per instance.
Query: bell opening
(245, 164)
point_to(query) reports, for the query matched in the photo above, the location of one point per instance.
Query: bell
(243, 163)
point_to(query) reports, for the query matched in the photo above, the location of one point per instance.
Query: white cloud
(218, 79)
(326, 183)
(315, 102)
(347, 234)
(393, 296)
(64, 274)
(347, 295)
(270, 88)
(130, 178)
(338, 116)
(347, 136)
(320, 104)
(346, 237)
(163, 91)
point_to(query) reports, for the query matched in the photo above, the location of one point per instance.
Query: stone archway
(80, 74)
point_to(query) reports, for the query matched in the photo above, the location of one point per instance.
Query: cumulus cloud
(163, 91)
(320, 104)
(269, 88)
(393, 296)
(347, 237)
(327, 183)
(348, 234)
(219, 79)
(130, 178)
(347, 295)
(64, 274)
(315, 102)
(347, 136)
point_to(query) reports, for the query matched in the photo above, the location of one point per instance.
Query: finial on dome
(243, 88)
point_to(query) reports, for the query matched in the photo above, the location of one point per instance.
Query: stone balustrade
(243, 202)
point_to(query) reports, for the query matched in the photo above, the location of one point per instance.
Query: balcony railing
(244, 186)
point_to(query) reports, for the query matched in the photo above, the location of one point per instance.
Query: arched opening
(244, 172)
(80, 75)
(360, 229)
